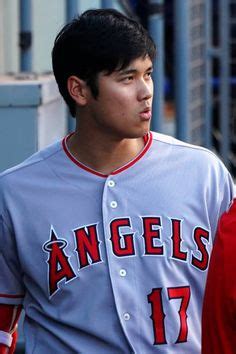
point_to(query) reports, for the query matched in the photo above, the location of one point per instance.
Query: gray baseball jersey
(111, 264)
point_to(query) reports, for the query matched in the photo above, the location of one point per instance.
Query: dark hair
(98, 40)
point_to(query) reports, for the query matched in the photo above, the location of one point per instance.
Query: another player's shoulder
(232, 209)
(228, 220)
(31, 166)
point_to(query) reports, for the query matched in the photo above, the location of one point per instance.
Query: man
(219, 310)
(105, 237)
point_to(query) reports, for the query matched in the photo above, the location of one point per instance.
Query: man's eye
(149, 74)
(128, 78)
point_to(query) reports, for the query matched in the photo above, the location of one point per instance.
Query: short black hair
(97, 40)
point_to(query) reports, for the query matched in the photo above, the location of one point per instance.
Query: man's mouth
(146, 113)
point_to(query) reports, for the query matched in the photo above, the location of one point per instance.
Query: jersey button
(126, 316)
(122, 272)
(111, 183)
(113, 204)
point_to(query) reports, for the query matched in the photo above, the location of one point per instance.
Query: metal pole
(26, 35)
(224, 79)
(208, 89)
(156, 30)
(107, 4)
(181, 11)
(72, 9)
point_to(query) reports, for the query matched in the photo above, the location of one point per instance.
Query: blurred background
(194, 75)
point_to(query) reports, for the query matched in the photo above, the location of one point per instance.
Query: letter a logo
(58, 262)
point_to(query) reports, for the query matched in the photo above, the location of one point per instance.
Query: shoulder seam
(42, 158)
(187, 145)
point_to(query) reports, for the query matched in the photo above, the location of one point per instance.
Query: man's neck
(103, 153)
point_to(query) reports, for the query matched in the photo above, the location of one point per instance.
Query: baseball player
(105, 237)
(219, 310)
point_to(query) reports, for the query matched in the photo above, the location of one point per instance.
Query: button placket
(111, 184)
(119, 272)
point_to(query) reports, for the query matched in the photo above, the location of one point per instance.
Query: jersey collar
(147, 140)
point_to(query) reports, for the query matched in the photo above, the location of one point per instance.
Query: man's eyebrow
(126, 71)
(131, 71)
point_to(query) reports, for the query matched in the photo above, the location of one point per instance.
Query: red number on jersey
(158, 315)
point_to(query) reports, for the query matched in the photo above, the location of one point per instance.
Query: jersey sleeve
(9, 315)
(11, 285)
(222, 192)
(219, 308)
(228, 193)
(4, 349)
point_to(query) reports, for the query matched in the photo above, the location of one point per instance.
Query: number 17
(158, 315)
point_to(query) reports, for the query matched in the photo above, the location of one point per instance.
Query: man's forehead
(142, 63)
(138, 64)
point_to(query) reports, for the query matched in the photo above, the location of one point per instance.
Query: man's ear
(78, 90)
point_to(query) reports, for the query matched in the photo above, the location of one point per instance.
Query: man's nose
(145, 90)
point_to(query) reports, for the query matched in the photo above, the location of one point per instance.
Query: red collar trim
(147, 140)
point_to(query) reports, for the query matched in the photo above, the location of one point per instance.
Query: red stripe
(11, 296)
(147, 140)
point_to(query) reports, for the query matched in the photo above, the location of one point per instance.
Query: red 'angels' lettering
(87, 245)
(149, 234)
(58, 262)
(200, 234)
(177, 240)
(88, 252)
(115, 228)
